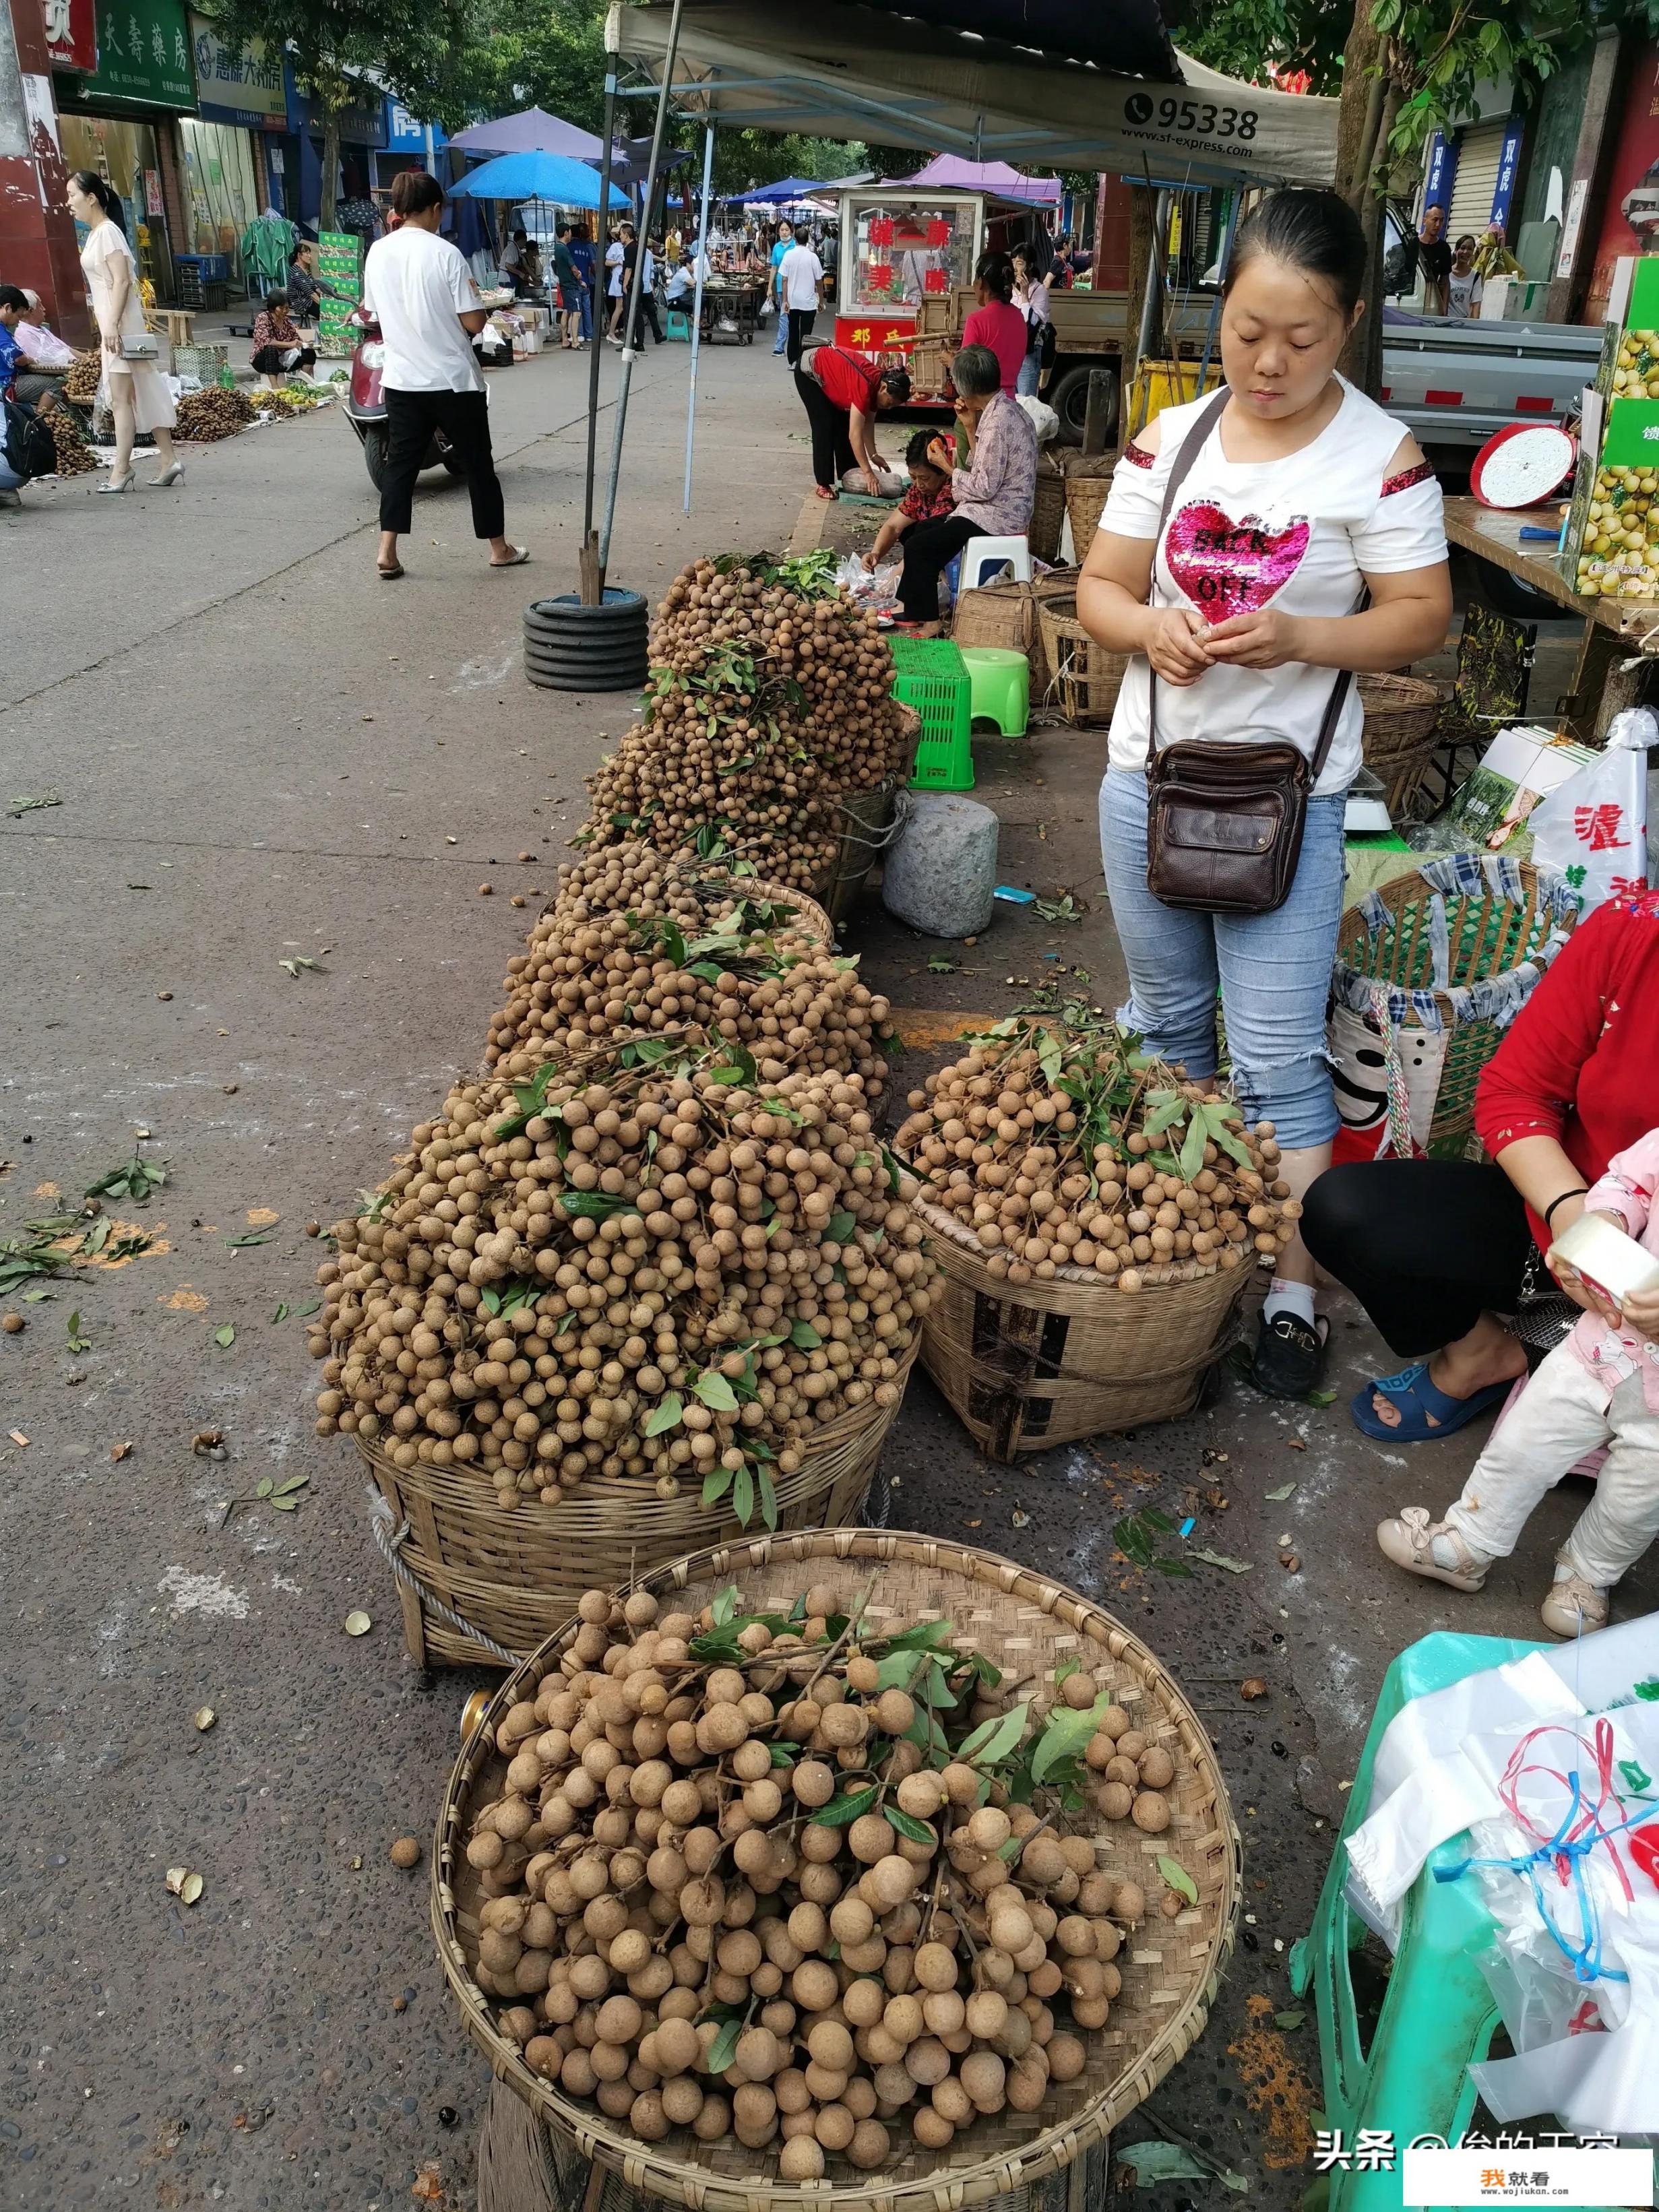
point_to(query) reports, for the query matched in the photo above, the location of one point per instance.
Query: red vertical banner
(71, 35)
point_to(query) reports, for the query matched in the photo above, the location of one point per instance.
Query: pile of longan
(768, 706)
(658, 1275)
(669, 1933)
(999, 1144)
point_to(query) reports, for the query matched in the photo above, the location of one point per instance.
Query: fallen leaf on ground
(1220, 1559)
(1278, 1497)
(203, 1717)
(121, 1450)
(225, 1335)
(1290, 2022)
(1297, 1444)
(301, 961)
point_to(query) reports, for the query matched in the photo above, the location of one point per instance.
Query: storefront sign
(71, 35)
(1508, 162)
(875, 333)
(238, 84)
(154, 206)
(143, 59)
(362, 123)
(406, 134)
(339, 263)
(1439, 172)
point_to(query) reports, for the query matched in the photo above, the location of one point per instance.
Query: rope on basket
(858, 832)
(389, 1541)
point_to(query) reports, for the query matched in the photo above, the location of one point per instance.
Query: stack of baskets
(1008, 615)
(1400, 714)
(1029, 1625)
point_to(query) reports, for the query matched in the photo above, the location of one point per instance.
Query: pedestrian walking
(572, 291)
(632, 249)
(581, 252)
(420, 290)
(800, 288)
(613, 286)
(781, 246)
(137, 393)
(1308, 544)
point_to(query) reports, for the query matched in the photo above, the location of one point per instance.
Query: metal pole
(431, 157)
(1149, 305)
(592, 566)
(636, 291)
(1233, 202)
(696, 313)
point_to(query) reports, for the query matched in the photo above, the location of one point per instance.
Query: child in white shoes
(1600, 1386)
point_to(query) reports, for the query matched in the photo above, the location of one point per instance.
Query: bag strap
(1191, 445)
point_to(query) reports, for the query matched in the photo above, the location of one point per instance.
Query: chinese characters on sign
(248, 79)
(339, 264)
(143, 56)
(71, 35)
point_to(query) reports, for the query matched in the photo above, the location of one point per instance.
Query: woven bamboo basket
(926, 362)
(513, 1575)
(1006, 615)
(1401, 712)
(1499, 936)
(1085, 496)
(1084, 678)
(1025, 1624)
(1029, 1366)
(1048, 510)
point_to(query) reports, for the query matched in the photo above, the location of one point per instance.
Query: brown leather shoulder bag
(1225, 823)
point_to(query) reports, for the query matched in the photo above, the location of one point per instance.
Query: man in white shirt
(800, 285)
(421, 292)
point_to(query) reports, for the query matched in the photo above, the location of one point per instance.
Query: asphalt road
(263, 754)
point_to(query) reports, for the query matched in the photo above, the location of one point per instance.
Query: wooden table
(1616, 632)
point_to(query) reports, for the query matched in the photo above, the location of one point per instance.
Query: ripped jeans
(1273, 970)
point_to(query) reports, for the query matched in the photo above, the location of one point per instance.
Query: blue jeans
(587, 310)
(1274, 969)
(783, 329)
(1029, 370)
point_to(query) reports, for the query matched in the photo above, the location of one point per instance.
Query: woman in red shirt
(1436, 1250)
(843, 393)
(996, 322)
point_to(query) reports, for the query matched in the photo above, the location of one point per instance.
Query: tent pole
(1150, 305)
(636, 290)
(591, 566)
(696, 312)
(1235, 200)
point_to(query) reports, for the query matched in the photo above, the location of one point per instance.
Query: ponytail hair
(89, 182)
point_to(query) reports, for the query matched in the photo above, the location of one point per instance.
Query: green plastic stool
(1001, 681)
(1437, 2016)
(930, 677)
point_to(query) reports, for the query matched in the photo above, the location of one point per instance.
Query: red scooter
(365, 406)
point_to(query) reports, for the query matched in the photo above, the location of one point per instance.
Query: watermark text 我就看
(1519, 2167)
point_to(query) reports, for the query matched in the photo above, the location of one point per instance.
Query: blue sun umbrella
(554, 178)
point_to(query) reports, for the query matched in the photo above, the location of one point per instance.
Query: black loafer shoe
(1289, 1356)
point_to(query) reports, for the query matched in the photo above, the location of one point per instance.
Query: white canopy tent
(846, 71)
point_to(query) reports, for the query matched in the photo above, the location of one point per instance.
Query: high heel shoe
(173, 473)
(117, 485)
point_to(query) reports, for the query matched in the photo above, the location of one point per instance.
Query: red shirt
(850, 379)
(1002, 327)
(1581, 1062)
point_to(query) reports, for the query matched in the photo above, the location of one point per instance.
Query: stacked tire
(569, 647)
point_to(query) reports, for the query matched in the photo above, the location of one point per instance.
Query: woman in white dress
(139, 398)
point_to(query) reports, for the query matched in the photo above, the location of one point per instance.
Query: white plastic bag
(870, 587)
(1594, 830)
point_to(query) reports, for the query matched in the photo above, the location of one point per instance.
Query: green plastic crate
(930, 677)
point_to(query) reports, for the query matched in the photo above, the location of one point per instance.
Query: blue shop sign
(406, 134)
(361, 124)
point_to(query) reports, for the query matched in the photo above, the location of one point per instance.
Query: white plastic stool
(983, 556)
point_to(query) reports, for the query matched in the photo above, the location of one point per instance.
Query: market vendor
(44, 360)
(991, 497)
(997, 322)
(1446, 1257)
(1244, 609)
(843, 393)
(278, 352)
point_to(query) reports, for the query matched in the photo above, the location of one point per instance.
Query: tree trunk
(329, 205)
(1365, 116)
(1143, 201)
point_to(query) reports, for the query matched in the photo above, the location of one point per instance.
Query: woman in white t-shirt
(139, 396)
(615, 253)
(1302, 495)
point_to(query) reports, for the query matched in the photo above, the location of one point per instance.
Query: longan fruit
(1115, 1800)
(987, 2011)
(961, 1783)
(1132, 1743)
(835, 2126)
(984, 2076)
(682, 2100)
(758, 2055)
(935, 1966)
(1115, 1721)
(949, 2098)
(870, 1838)
(870, 2146)
(814, 1986)
(1130, 1903)
(801, 2159)
(813, 1783)
(714, 2120)
(932, 2129)
(990, 1828)
(830, 2045)
(896, 1711)
(1078, 1691)
(920, 1795)
(1156, 1767)
(1150, 1812)
(863, 2001)
(893, 1879)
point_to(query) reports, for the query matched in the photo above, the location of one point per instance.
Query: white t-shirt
(613, 261)
(1301, 533)
(1463, 295)
(799, 274)
(416, 285)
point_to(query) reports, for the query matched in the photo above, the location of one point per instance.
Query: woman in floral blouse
(278, 350)
(992, 496)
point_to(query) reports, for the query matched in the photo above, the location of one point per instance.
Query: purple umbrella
(532, 130)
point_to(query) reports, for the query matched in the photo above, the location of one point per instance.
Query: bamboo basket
(1402, 714)
(513, 1575)
(1457, 947)
(1024, 1623)
(1048, 511)
(1084, 678)
(1085, 496)
(1006, 615)
(1025, 1366)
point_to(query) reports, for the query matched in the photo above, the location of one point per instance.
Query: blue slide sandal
(1417, 1398)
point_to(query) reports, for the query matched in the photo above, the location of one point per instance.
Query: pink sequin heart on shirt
(1227, 567)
